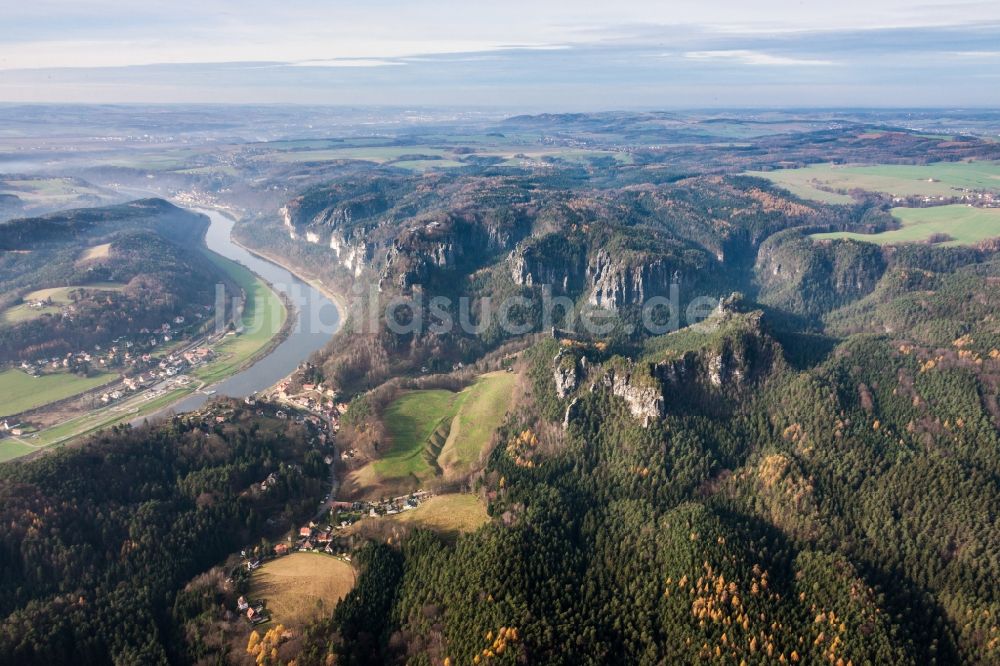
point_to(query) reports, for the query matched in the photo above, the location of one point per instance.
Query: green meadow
(20, 392)
(963, 225)
(940, 179)
(437, 432)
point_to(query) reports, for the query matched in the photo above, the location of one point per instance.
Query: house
(308, 545)
(305, 532)
(255, 616)
(242, 604)
(281, 549)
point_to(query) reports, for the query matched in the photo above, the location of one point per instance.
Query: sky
(541, 54)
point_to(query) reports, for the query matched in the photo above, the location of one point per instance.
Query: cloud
(976, 54)
(347, 62)
(747, 57)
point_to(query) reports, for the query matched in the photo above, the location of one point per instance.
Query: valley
(613, 387)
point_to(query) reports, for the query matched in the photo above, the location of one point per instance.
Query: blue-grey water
(317, 319)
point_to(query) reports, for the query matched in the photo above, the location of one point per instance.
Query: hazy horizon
(560, 55)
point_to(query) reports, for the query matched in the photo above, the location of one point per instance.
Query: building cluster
(319, 401)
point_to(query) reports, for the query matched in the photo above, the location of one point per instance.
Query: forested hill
(811, 475)
(123, 269)
(99, 540)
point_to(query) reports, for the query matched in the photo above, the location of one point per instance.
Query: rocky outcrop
(567, 374)
(736, 356)
(642, 394)
(355, 257)
(551, 260)
(614, 282)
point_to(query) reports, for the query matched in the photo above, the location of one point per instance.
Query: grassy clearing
(20, 392)
(449, 514)
(11, 449)
(940, 179)
(437, 433)
(59, 297)
(484, 405)
(411, 421)
(964, 225)
(263, 316)
(301, 586)
(49, 192)
(212, 170)
(97, 252)
(515, 157)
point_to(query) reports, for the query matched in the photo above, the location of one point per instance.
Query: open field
(301, 586)
(448, 514)
(411, 421)
(97, 419)
(20, 392)
(59, 297)
(484, 405)
(424, 165)
(263, 316)
(436, 433)
(941, 179)
(96, 252)
(11, 449)
(515, 157)
(963, 224)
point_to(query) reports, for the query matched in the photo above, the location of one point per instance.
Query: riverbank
(274, 354)
(335, 297)
(236, 354)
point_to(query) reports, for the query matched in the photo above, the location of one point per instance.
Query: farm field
(20, 392)
(59, 297)
(577, 156)
(436, 433)
(941, 179)
(964, 226)
(424, 165)
(411, 421)
(301, 586)
(11, 449)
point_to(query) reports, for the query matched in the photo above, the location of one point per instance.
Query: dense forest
(146, 275)
(98, 540)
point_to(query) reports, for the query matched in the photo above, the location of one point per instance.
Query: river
(317, 319)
